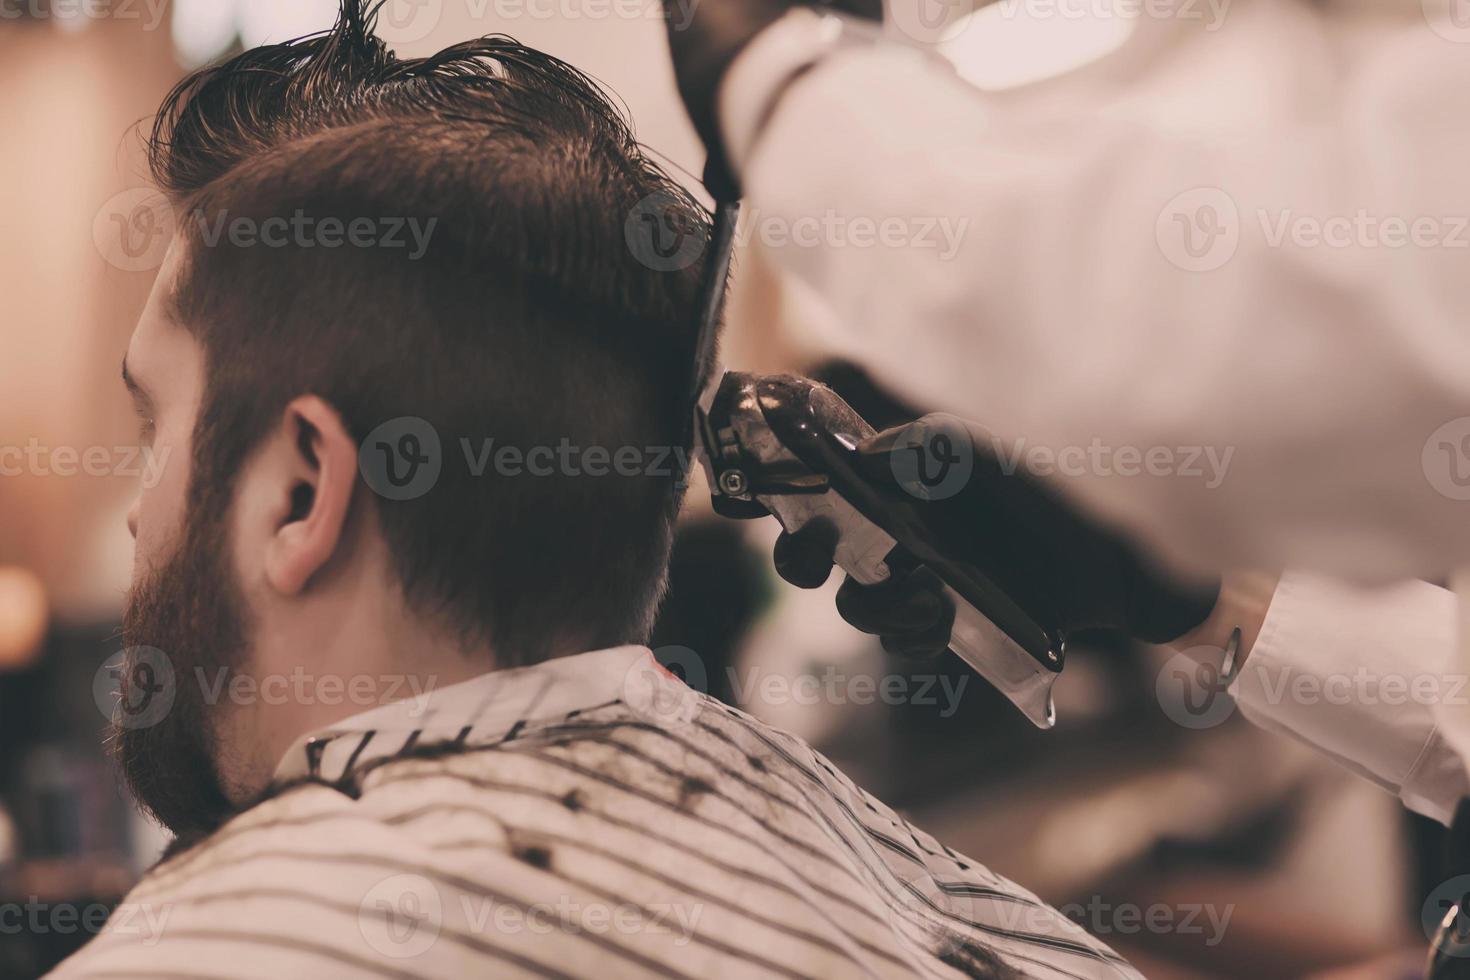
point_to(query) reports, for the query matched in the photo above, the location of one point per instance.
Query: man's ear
(321, 470)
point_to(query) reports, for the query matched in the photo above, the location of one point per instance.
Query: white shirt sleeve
(1357, 673)
(1218, 295)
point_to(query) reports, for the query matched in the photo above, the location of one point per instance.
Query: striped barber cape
(587, 817)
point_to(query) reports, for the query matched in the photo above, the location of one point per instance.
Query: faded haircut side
(527, 319)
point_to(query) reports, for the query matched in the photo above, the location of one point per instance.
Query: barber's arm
(1355, 673)
(1141, 288)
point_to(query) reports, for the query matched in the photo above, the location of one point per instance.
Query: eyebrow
(140, 394)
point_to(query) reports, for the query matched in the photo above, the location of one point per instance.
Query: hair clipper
(788, 446)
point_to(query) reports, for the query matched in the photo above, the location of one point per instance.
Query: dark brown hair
(528, 319)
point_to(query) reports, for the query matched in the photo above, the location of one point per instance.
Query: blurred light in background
(1016, 42)
(206, 29)
(203, 29)
(273, 21)
(71, 19)
(23, 617)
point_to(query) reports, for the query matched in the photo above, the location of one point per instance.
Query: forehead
(161, 352)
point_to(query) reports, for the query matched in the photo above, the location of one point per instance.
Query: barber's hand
(1067, 572)
(705, 37)
(908, 611)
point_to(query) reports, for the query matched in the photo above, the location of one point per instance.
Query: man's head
(404, 359)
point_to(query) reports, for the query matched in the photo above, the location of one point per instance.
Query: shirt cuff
(1355, 673)
(761, 71)
(769, 64)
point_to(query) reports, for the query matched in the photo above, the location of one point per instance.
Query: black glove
(1064, 570)
(705, 37)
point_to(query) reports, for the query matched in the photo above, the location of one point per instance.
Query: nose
(133, 517)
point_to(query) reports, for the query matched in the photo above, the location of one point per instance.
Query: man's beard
(185, 621)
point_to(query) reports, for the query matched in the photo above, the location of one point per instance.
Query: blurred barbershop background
(1195, 844)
